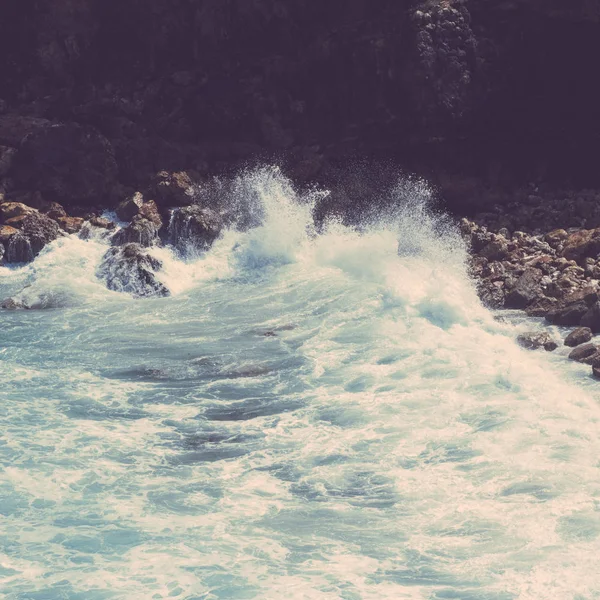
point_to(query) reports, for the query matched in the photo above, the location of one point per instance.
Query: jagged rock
(9, 210)
(556, 237)
(69, 163)
(582, 244)
(132, 270)
(129, 208)
(140, 231)
(579, 336)
(136, 206)
(573, 307)
(532, 340)
(194, 227)
(70, 224)
(36, 230)
(54, 210)
(526, 289)
(173, 189)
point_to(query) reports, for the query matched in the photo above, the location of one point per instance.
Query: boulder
(586, 353)
(136, 206)
(582, 244)
(102, 223)
(173, 189)
(130, 269)
(129, 208)
(140, 231)
(194, 228)
(36, 230)
(69, 163)
(532, 340)
(70, 224)
(526, 290)
(591, 318)
(9, 210)
(573, 307)
(578, 336)
(54, 210)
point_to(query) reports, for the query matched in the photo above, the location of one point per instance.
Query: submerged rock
(194, 227)
(579, 336)
(532, 340)
(132, 270)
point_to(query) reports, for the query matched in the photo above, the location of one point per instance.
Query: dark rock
(526, 289)
(591, 318)
(140, 231)
(14, 128)
(54, 210)
(532, 340)
(579, 336)
(568, 316)
(585, 353)
(69, 163)
(194, 228)
(173, 189)
(130, 269)
(129, 208)
(582, 244)
(541, 307)
(596, 370)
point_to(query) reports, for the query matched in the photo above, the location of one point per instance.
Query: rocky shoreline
(548, 268)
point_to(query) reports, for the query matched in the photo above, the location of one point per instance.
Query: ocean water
(312, 414)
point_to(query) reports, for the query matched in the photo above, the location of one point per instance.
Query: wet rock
(541, 307)
(586, 353)
(173, 189)
(596, 369)
(69, 163)
(37, 230)
(591, 319)
(70, 224)
(526, 289)
(129, 208)
(532, 340)
(130, 269)
(102, 223)
(140, 231)
(568, 316)
(9, 210)
(579, 336)
(194, 227)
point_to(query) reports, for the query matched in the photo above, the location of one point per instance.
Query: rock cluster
(548, 271)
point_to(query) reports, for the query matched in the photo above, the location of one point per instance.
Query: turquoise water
(308, 416)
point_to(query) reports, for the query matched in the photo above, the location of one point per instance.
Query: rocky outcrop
(194, 228)
(130, 269)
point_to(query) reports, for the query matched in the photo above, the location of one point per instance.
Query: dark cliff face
(503, 88)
